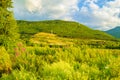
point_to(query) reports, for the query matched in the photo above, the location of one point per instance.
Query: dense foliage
(8, 27)
(61, 28)
(66, 63)
(49, 57)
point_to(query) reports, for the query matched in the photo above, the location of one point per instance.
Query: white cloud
(90, 13)
(32, 5)
(102, 18)
(46, 9)
(114, 4)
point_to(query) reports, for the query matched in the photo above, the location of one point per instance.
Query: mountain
(114, 32)
(61, 28)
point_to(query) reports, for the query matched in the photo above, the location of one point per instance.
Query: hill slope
(114, 32)
(61, 28)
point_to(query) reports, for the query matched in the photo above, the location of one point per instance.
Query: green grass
(73, 59)
(52, 40)
(72, 63)
(61, 28)
(43, 55)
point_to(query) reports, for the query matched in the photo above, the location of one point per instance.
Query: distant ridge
(61, 28)
(114, 32)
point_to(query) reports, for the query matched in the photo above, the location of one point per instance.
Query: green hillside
(114, 32)
(61, 28)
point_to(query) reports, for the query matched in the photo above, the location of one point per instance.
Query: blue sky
(97, 14)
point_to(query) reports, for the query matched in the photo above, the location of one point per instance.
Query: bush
(19, 75)
(58, 71)
(5, 62)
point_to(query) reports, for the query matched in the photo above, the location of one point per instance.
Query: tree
(8, 26)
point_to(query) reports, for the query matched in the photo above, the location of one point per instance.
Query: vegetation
(55, 50)
(114, 32)
(52, 40)
(61, 28)
(8, 26)
(49, 57)
(53, 63)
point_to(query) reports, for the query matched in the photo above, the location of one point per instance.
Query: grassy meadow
(46, 56)
(61, 28)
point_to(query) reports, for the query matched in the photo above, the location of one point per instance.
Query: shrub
(58, 71)
(19, 75)
(5, 62)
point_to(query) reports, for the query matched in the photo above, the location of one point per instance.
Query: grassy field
(47, 56)
(61, 28)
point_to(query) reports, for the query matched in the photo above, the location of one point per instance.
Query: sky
(97, 14)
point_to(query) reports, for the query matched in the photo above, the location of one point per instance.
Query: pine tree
(8, 26)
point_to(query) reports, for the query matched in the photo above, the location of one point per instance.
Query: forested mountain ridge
(114, 32)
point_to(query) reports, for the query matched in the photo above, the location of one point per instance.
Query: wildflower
(16, 49)
(19, 44)
(23, 49)
(17, 54)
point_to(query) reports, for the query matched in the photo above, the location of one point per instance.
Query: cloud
(103, 18)
(45, 9)
(98, 14)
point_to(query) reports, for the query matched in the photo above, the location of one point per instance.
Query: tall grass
(67, 63)
(65, 59)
